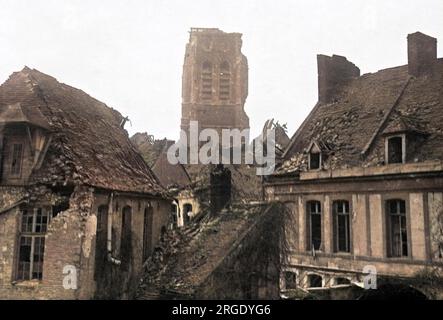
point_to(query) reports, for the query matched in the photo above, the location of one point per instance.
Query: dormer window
(16, 162)
(395, 149)
(315, 155)
(314, 160)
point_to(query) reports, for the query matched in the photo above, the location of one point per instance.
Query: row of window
(313, 281)
(207, 81)
(395, 153)
(397, 239)
(34, 225)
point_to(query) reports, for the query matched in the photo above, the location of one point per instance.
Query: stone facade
(80, 211)
(363, 175)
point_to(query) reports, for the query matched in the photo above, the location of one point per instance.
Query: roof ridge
(300, 129)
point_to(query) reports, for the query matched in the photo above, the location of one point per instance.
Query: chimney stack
(333, 72)
(422, 54)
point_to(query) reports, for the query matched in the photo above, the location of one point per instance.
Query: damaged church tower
(215, 81)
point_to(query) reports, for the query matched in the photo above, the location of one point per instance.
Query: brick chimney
(422, 54)
(333, 72)
(220, 188)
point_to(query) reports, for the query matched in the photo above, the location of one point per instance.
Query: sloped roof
(88, 145)
(170, 174)
(367, 108)
(16, 113)
(149, 147)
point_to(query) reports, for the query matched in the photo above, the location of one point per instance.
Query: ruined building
(363, 174)
(214, 91)
(79, 208)
(215, 81)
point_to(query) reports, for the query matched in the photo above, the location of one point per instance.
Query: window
(395, 150)
(32, 243)
(174, 214)
(315, 281)
(225, 81)
(290, 280)
(101, 237)
(314, 225)
(341, 225)
(126, 243)
(147, 232)
(314, 160)
(397, 230)
(187, 212)
(16, 163)
(206, 81)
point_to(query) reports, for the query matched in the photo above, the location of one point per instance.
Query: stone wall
(70, 244)
(368, 226)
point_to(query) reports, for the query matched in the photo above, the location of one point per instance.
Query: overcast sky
(129, 54)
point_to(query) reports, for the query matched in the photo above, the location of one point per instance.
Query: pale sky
(129, 54)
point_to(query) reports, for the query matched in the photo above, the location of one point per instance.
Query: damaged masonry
(359, 184)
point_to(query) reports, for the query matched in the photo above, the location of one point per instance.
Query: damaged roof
(88, 144)
(16, 113)
(365, 110)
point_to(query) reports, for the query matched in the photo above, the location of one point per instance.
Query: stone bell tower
(215, 81)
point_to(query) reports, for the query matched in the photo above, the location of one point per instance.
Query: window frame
(403, 148)
(101, 238)
(319, 161)
(294, 281)
(336, 228)
(309, 214)
(206, 78)
(16, 163)
(126, 237)
(224, 83)
(148, 218)
(33, 234)
(310, 276)
(389, 229)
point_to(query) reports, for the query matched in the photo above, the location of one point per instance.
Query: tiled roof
(170, 174)
(88, 145)
(366, 109)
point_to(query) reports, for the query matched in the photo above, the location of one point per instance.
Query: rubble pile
(187, 256)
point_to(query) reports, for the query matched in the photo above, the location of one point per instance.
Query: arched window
(341, 281)
(100, 241)
(174, 214)
(147, 231)
(397, 228)
(187, 212)
(206, 81)
(126, 241)
(225, 81)
(342, 242)
(314, 225)
(315, 281)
